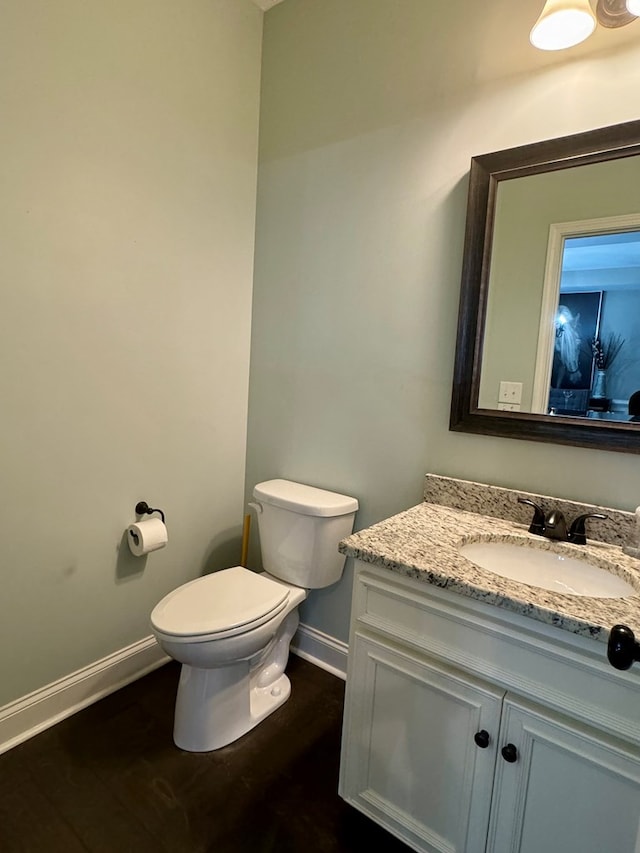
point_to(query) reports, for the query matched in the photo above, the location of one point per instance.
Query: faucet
(554, 524)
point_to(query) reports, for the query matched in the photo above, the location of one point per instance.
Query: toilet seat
(222, 604)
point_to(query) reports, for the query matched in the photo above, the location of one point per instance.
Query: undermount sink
(546, 569)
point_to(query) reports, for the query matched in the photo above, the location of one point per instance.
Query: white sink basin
(546, 569)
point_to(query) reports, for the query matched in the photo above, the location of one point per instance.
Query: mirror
(549, 270)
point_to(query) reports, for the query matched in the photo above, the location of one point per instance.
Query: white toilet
(231, 629)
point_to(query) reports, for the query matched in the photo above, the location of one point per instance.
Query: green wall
(370, 113)
(128, 205)
(128, 171)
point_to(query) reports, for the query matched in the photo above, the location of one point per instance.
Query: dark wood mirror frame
(487, 170)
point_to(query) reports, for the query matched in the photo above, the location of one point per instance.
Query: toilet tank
(300, 528)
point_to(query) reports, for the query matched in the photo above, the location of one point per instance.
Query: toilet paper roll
(146, 536)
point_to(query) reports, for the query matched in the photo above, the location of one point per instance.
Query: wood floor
(110, 780)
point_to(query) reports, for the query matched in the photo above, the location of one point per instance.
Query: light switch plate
(510, 392)
(509, 407)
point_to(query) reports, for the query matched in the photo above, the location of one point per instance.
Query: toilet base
(265, 700)
(216, 706)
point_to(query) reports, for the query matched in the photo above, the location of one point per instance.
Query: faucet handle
(577, 532)
(537, 523)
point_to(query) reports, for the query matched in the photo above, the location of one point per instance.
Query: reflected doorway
(588, 362)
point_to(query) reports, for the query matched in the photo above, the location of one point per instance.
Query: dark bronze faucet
(554, 524)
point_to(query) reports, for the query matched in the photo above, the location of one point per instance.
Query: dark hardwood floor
(110, 780)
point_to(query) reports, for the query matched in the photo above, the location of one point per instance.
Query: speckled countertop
(423, 543)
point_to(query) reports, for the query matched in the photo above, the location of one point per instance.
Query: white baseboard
(43, 708)
(321, 649)
(31, 714)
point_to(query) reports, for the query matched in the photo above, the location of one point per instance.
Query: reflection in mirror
(588, 360)
(549, 326)
(534, 217)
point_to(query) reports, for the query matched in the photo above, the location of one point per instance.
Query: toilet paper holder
(143, 508)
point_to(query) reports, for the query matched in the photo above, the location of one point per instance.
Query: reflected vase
(600, 385)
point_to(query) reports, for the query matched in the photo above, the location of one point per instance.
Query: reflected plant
(606, 351)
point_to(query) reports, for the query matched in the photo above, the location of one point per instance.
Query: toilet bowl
(231, 629)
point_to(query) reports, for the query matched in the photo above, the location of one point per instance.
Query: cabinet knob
(482, 739)
(622, 648)
(509, 753)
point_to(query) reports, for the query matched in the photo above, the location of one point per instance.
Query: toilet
(231, 629)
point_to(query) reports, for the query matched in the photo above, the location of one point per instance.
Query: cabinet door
(567, 790)
(409, 757)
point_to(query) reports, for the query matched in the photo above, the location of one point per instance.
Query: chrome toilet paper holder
(143, 508)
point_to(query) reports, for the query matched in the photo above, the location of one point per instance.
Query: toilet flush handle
(256, 506)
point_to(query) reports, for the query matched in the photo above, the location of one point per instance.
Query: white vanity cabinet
(467, 729)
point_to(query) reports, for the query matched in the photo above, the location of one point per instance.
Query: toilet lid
(218, 603)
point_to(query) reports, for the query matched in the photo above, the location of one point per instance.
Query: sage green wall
(370, 113)
(128, 161)
(525, 209)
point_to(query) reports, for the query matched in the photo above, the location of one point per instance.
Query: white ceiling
(602, 251)
(601, 262)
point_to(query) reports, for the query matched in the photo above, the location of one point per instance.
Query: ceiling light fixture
(565, 23)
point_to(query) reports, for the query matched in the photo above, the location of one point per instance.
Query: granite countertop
(423, 543)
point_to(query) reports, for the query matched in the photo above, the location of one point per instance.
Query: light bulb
(564, 23)
(633, 7)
